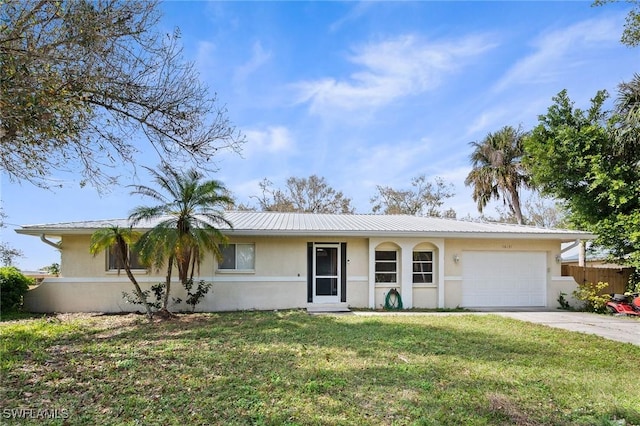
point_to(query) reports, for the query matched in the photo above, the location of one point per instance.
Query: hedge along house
(293, 260)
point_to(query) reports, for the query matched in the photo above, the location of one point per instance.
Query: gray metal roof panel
(276, 223)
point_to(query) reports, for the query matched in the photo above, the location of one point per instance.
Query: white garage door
(504, 279)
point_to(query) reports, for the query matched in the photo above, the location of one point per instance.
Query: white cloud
(389, 70)
(573, 58)
(389, 164)
(205, 55)
(245, 190)
(560, 52)
(515, 109)
(486, 120)
(258, 58)
(354, 14)
(273, 139)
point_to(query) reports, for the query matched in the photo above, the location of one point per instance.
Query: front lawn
(277, 368)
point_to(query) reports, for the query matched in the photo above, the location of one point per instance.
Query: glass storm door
(326, 273)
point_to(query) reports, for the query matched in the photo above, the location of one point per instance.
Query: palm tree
(122, 239)
(497, 169)
(628, 108)
(188, 216)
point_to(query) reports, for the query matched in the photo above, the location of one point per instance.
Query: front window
(386, 266)
(238, 257)
(422, 267)
(114, 263)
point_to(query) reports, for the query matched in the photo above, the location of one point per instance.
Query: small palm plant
(122, 239)
(188, 216)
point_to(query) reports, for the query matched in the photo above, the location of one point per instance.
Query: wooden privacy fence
(616, 277)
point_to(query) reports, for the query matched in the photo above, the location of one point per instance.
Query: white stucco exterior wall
(279, 280)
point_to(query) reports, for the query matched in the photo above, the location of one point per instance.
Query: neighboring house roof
(595, 254)
(590, 255)
(309, 224)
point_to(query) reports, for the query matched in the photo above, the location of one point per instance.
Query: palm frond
(189, 219)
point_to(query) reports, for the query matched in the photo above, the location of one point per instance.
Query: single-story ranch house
(294, 260)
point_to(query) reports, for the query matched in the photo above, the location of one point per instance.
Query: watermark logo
(35, 413)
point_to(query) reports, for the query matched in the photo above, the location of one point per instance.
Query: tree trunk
(183, 265)
(124, 259)
(139, 292)
(194, 264)
(515, 205)
(167, 290)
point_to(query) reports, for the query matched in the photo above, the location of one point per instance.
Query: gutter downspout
(56, 246)
(573, 245)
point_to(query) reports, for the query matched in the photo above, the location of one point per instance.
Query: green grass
(289, 368)
(18, 315)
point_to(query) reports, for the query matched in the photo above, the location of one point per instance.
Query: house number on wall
(506, 246)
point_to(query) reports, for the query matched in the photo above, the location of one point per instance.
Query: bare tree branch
(87, 84)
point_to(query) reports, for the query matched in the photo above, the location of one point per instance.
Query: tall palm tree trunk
(515, 204)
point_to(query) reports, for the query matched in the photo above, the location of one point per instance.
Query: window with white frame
(114, 263)
(386, 266)
(422, 267)
(238, 257)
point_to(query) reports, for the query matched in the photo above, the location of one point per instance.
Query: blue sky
(362, 93)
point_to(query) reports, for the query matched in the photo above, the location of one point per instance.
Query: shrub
(158, 290)
(13, 286)
(563, 302)
(196, 297)
(589, 293)
(158, 295)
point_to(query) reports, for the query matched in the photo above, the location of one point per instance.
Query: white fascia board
(562, 236)
(59, 232)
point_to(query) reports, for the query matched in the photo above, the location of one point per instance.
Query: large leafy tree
(122, 239)
(424, 198)
(497, 171)
(303, 195)
(188, 219)
(84, 83)
(589, 159)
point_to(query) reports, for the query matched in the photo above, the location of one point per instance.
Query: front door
(326, 273)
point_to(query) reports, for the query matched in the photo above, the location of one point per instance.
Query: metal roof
(309, 224)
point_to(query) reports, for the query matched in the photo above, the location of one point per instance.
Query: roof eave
(565, 237)
(59, 232)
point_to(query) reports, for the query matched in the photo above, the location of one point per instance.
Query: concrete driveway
(621, 329)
